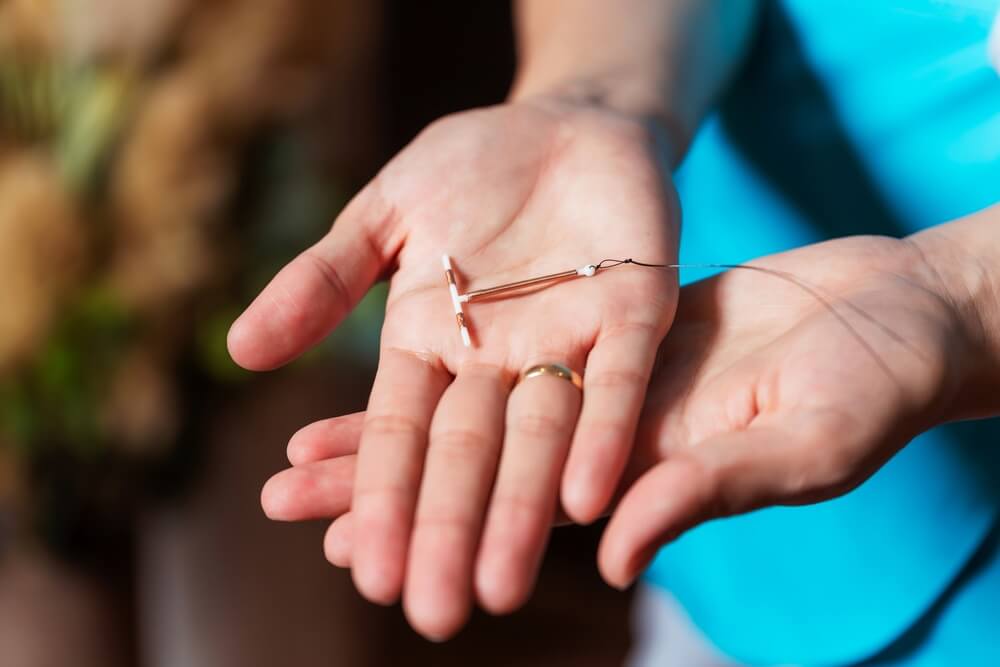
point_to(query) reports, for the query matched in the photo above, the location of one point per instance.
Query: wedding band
(555, 370)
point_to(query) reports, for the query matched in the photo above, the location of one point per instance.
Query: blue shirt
(850, 117)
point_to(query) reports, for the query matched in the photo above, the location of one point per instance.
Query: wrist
(624, 96)
(964, 259)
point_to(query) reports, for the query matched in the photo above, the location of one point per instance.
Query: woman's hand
(766, 396)
(761, 396)
(458, 470)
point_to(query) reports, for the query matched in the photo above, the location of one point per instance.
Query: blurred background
(159, 161)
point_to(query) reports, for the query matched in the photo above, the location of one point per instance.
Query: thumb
(727, 474)
(314, 292)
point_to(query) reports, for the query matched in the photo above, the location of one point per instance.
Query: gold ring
(555, 370)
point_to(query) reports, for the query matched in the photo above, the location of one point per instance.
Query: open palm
(764, 393)
(455, 460)
(771, 394)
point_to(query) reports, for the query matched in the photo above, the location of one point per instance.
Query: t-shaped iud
(458, 299)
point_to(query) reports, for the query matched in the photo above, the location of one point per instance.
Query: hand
(762, 396)
(454, 461)
(766, 397)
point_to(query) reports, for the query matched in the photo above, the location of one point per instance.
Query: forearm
(965, 256)
(665, 59)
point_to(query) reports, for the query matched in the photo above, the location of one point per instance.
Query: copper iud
(458, 299)
(520, 284)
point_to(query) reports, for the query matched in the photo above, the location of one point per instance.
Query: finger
(541, 414)
(318, 490)
(461, 461)
(390, 461)
(315, 291)
(729, 474)
(326, 439)
(614, 387)
(677, 492)
(338, 543)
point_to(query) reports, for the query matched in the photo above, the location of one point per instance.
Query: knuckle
(602, 433)
(635, 329)
(328, 272)
(394, 426)
(446, 520)
(516, 510)
(482, 368)
(424, 359)
(537, 426)
(617, 379)
(379, 507)
(480, 371)
(460, 444)
(387, 494)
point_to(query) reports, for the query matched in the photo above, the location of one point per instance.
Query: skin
(493, 188)
(459, 472)
(761, 396)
